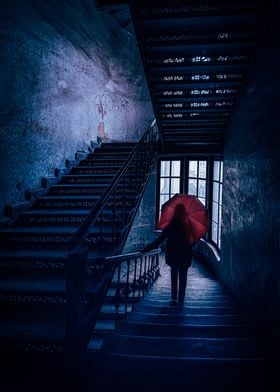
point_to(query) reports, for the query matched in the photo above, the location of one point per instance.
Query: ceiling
(197, 55)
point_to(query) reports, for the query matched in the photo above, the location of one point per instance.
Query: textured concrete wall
(250, 261)
(143, 228)
(68, 74)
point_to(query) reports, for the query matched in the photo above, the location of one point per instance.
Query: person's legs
(174, 282)
(183, 272)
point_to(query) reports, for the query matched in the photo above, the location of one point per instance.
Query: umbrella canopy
(195, 215)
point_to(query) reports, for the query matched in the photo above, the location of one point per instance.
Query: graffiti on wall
(104, 104)
(101, 133)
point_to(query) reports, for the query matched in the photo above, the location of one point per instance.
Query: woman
(178, 254)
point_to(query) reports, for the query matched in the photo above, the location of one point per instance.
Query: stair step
(33, 329)
(190, 302)
(94, 189)
(38, 284)
(62, 217)
(94, 179)
(102, 153)
(120, 146)
(52, 217)
(134, 372)
(189, 347)
(102, 162)
(195, 294)
(191, 330)
(56, 236)
(43, 259)
(77, 201)
(186, 319)
(98, 170)
(27, 234)
(87, 178)
(188, 310)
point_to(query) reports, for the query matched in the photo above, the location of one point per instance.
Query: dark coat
(178, 250)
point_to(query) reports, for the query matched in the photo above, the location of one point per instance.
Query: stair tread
(189, 346)
(56, 212)
(39, 325)
(151, 372)
(36, 285)
(55, 229)
(186, 319)
(82, 166)
(41, 229)
(185, 330)
(75, 185)
(189, 301)
(34, 253)
(110, 175)
(73, 197)
(69, 211)
(102, 151)
(188, 309)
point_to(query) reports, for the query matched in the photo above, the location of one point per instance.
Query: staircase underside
(197, 56)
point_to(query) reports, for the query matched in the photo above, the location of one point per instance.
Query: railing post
(134, 283)
(76, 278)
(117, 298)
(127, 287)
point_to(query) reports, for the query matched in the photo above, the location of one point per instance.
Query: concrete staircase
(211, 343)
(33, 252)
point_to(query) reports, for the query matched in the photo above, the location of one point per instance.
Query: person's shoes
(181, 302)
(173, 302)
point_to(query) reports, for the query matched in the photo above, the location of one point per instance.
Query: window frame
(219, 203)
(159, 177)
(184, 184)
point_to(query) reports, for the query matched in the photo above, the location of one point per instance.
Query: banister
(75, 241)
(97, 271)
(112, 260)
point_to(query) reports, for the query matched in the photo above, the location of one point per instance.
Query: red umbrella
(195, 215)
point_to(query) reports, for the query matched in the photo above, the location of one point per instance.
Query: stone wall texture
(68, 74)
(250, 261)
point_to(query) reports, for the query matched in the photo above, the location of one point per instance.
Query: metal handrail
(77, 239)
(140, 271)
(120, 258)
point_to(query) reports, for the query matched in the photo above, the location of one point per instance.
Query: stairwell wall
(142, 231)
(250, 257)
(69, 75)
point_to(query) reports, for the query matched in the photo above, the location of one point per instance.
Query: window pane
(201, 188)
(216, 170)
(214, 232)
(192, 187)
(175, 168)
(221, 193)
(215, 212)
(216, 191)
(163, 199)
(165, 168)
(175, 185)
(222, 170)
(202, 200)
(202, 169)
(192, 168)
(164, 185)
(220, 215)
